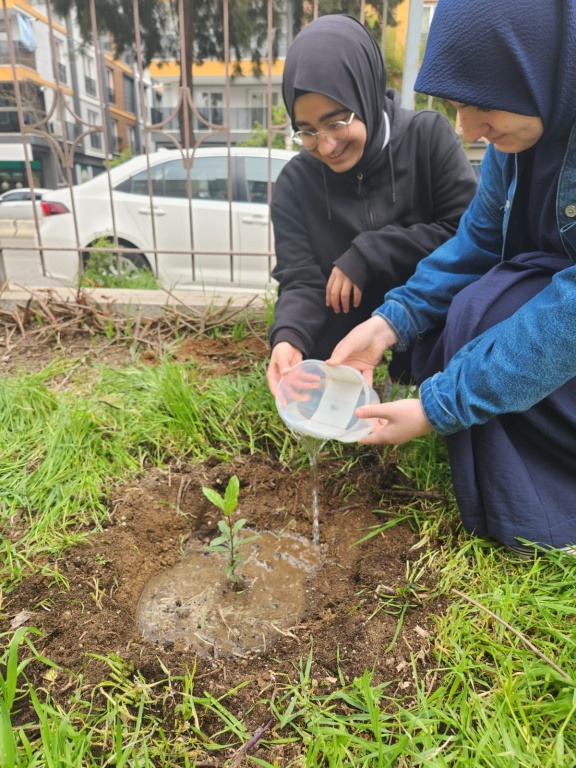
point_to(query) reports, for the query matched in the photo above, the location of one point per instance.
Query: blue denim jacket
(519, 361)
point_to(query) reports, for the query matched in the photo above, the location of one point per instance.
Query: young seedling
(229, 541)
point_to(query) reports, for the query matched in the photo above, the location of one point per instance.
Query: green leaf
(238, 524)
(214, 497)
(218, 543)
(231, 495)
(7, 743)
(224, 527)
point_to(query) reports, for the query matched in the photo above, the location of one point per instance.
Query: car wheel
(115, 268)
(129, 263)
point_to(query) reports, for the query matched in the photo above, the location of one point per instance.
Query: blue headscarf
(336, 56)
(513, 55)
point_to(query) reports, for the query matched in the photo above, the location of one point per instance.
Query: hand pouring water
(319, 400)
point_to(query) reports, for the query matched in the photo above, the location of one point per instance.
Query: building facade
(64, 106)
(67, 107)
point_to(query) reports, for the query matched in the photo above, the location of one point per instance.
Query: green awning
(19, 165)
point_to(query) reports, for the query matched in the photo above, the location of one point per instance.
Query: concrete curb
(134, 302)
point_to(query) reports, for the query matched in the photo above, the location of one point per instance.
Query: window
(95, 138)
(9, 197)
(175, 179)
(211, 107)
(88, 66)
(131, 138)
(258, 104)
(115, 141)
(89, 79)
(138, 184)
(427, 14)
(209, 177)
(129, 95)
(62, 75)
(257, 177)
(110, 85)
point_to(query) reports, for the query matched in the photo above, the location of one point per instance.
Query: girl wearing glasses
(495, 307)
(373, 191)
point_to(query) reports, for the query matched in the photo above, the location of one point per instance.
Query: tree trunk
(186, 121)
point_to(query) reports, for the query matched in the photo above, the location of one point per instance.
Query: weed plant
(109, 269)
(503, 690)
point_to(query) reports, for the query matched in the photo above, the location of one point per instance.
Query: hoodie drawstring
(390, 157)
(326, 194)
(360, 176)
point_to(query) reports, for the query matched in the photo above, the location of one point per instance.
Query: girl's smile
(313, 112)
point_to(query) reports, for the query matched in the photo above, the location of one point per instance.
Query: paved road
(23, 267)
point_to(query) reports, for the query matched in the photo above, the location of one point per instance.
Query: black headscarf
(338, 58)
(513, 55)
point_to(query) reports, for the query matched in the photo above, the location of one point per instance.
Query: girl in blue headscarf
(493, 311)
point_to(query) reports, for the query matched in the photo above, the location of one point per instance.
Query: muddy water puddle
(194, 604)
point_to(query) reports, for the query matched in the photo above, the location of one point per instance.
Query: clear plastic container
(319, 400)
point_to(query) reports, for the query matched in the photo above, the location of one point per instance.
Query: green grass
(102, 270)
(62, 450)
(503, 690)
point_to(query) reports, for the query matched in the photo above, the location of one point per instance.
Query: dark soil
(150, 519)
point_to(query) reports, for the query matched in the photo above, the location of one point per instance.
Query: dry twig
(47, 312)
(518, 634)
(258, 734)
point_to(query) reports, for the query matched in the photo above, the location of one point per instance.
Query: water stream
(313, 446)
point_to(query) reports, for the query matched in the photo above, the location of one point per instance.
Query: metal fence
(64, 117)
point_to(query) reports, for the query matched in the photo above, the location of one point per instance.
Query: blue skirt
(515, 476)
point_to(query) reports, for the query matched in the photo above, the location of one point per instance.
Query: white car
(207, 218)
(24, 193)
(17, 218)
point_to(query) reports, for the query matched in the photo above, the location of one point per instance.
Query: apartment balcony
(22, 55)
(115, 143)
(242, 119)
(9, 122)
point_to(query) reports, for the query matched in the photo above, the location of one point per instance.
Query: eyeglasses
(337, 131)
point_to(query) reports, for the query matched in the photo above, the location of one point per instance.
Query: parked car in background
(17, 218)
(24, 193)
(215, 203)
